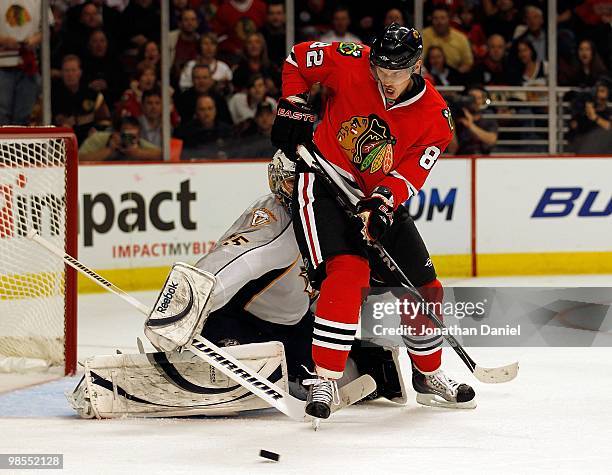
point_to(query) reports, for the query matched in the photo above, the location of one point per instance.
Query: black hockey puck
(269, 455)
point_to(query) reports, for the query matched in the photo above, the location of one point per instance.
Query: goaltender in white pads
(176, 383)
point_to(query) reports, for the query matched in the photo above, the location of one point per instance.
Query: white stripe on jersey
(411, 189)
(290, 59)
(332, 346)
(307, 217)
(332, 323)
(424, 353)
(337, 336)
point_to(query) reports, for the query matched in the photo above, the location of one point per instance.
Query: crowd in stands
(227, 55)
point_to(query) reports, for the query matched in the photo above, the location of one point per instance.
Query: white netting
(32, 299)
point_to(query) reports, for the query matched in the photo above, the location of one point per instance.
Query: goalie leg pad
(181, 308)
(172, 384)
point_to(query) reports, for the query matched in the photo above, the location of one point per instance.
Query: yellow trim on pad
(544, 263)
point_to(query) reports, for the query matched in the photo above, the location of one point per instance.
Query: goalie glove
(376, 213)
(294, 124)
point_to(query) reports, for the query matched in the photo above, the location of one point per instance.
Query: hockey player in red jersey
(382, 130)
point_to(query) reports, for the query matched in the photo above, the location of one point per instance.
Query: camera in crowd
(582, 98)
(128, 139)
(471, 100)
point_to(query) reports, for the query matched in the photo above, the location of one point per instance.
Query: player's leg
(337, 264)
(404, 243)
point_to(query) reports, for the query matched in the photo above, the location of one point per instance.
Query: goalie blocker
(181, 308)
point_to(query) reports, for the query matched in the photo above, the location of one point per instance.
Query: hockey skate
(438, 390)
(322, 393)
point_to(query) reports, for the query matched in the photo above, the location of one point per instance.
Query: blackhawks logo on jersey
(350, 49)
(368, 142)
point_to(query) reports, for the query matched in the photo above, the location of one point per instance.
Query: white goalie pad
(172, 384)
(181, 308)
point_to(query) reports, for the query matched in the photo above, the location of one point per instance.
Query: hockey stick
(200, 346)
(220, 359)
(499, 374)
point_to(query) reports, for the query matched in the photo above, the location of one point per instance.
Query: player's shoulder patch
(261, 217)
(446, 113)
(351, 49)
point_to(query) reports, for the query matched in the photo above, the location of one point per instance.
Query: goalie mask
(281, 177)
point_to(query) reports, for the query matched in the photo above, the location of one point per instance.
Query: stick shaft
(86, 271)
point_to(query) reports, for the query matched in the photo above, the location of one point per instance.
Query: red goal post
(38, 292)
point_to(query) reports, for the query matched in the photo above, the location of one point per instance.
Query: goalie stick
(211, 353)
(499, 374)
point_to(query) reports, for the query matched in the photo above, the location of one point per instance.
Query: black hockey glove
(293, 124)
(376, 213)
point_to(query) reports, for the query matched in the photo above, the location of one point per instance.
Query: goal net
(38, 179)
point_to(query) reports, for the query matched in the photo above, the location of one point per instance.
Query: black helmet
(397, 47)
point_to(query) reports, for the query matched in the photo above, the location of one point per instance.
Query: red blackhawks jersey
(364, 139)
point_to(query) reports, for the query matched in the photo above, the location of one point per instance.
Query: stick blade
(502, 374)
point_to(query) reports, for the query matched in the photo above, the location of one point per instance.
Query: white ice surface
(556, 417)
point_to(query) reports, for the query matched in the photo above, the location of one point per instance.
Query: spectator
(589, 67)
(493, 69)
(466, 24)
(203, 84)
(19, 77)
(176, 10)
(441, 74)
(455, 45)
(533, 31)
(82, 21)
(151, 119)
(150, 56)
(100, 71)
(204, 130)
(126, 144)
(313, 19)
(236, 20)
(534, 72)
(255, 61)
(475, 135)
(501, 17)
(140, 22)
(274, 32)
(243, 105)
(105, 17)
(76, 105)
(185, 41)
(221, 72)
(256, 139)
(595, 22)
(130, 103)
(341, 20)
(394, 15)
(592, 112)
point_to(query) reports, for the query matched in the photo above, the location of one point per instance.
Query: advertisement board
(548, 215)
(136, 220)
(532, 215)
